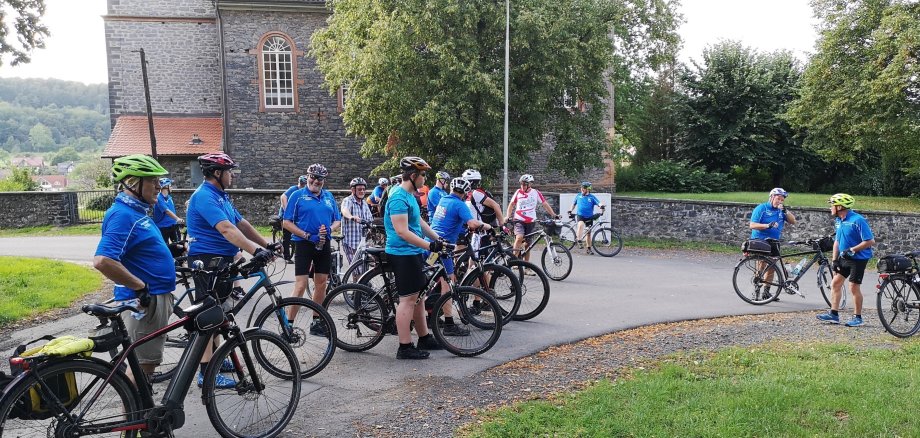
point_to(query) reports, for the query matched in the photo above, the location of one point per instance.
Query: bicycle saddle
(98, 310)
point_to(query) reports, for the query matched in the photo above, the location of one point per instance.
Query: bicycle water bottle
(799, 266)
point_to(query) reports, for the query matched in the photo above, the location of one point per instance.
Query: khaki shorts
(156, 317)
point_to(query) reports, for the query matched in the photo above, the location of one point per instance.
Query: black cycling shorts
(853, 269)
(171, 233)
(409, 273)
(587, 220)
(307, 256)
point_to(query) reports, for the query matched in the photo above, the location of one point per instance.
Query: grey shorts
(156, 317)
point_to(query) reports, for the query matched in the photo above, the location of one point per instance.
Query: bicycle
(314, 352)
(898, 297)
(496, 279)
(556, 259)
(605, 240)
(364, 314)
(534, 282)
(759, 277)
(343, 272)
(105, 401)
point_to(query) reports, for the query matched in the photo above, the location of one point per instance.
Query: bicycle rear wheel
(359, 316)
(897, 303)
(482, 327)
(534, 289)
(501, 283)
(567, 236)
(757, 280)
(606, 241)
(557, 265)
(117, 403)
(262, 403)
(292, 319)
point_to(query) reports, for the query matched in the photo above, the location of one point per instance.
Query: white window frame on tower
(277, 66)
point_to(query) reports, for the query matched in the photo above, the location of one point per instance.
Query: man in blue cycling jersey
(583, 205)
(442, 179)
(219, 231)
(767, 223)
(285, 234)
(164, 213)
(450, 218)
(405, 249)
(311, 217)
(852, 251)
(377, 194)
(133, 254)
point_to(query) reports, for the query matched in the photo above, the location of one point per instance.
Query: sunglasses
(317, 178)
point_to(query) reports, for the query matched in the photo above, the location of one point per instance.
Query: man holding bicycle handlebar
(584, 204)
(852, 251)
(767, 223)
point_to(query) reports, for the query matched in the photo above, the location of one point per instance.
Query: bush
(101, 203)
(673, 177)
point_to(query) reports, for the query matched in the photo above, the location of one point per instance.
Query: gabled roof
(28, 162)
(174, 136)
(54, 180)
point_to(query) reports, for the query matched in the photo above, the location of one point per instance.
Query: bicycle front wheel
(898, 305)
(567, 236)
(296, 321)
(476, 328)
(534, 289)
(71, 384)
(606, 241)
(262, 403)
(757, 280)
(359, 316)
(825, 276)
(501, 283)
(557, 261)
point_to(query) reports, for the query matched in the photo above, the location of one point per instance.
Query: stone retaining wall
(32, 209)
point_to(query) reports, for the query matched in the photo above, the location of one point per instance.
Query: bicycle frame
(817, 256)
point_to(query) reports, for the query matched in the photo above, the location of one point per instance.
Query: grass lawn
(882, 203)
(777, 390)
(30, 286)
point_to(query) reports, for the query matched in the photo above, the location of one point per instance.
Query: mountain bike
(101, 400)
(342, 271)
(496, 279)
(605, 240)
(898, 298)
(759, 277)
(556, 259)
(363, 314)
(313, 352)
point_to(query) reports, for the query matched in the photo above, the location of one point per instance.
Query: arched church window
(278, 81)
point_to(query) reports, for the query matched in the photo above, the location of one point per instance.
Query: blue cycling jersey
(287, 194)
(208, 207)
(399, 201)
(434, 197)
(851, 231)
(450, 217)
(375, 196)
(308, 211)
(584, 204)
(764, 214)
(130, 237)
(164, 203)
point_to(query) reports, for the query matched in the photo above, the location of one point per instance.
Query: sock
(203, 367)
(424, 337)
(405, 346)
(858, 316)
(834, 312)
(448, 320)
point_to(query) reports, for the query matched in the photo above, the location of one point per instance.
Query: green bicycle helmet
(136, 165)
(843, 200)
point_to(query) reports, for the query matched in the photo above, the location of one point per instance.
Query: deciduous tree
(27, 27)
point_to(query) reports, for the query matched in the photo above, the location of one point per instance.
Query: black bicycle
(78, 395)
(759, 278)
(898, 298)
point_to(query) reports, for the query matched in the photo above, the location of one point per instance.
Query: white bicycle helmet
(471, 175)
(779, 191)
(461, 184)
(526, 178)
(383, 182)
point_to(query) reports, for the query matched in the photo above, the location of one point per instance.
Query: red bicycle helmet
(219, 161)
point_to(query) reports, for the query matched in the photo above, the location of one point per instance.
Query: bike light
(19, 363)
(883, 276)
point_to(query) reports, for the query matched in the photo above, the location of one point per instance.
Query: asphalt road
(602, 295)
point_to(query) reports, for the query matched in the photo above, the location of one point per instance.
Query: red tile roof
(174, 135)
(54, 180)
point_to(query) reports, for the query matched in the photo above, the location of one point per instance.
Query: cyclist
(164, 213)
(133, 254)
(311, 217)
(483, 206)
(405, 249)
(584, 204)
(219, 231)
(374, 199)
(524, 204)
(450, 218)
(355, 212)
(285, 234)
(767, 223)
(852, 251)
(442, 179)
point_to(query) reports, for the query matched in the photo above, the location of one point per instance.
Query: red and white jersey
(526, 204)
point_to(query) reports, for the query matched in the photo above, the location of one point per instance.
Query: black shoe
(476, 308)
(411, 353)
(318, 328)
(429, 343)
(455, 330)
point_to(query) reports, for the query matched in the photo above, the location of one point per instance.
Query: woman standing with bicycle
(583, 205)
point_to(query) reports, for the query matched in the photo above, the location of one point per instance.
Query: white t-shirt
(526, 204)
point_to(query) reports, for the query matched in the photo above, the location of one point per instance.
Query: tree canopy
(426, 77)
(29, 30)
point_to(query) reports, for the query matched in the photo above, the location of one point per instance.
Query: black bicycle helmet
(317, 170)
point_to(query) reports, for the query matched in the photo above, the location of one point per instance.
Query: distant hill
(46, 115)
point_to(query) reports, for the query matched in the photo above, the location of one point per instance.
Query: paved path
(602, 295)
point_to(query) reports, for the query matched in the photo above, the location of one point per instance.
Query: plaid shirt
(351, 230)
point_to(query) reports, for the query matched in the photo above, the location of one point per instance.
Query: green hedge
(673, 177)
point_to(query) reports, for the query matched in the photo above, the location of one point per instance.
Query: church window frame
(278, 81)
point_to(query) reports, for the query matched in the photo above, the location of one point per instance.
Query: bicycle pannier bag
(33, 406)
(893, 263)
(826, 243)
(756, 246)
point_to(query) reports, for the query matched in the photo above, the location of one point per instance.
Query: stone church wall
(274, 147)
(162, 8)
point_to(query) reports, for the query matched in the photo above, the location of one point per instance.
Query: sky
(76, 48)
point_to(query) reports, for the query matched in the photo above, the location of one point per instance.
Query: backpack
(486, 213)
